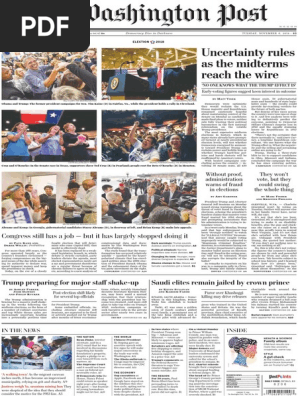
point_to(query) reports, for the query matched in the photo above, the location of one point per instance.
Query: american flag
(73, 176)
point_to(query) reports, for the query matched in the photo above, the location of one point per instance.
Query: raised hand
(189, 114)
(36, 202)
(61, 66)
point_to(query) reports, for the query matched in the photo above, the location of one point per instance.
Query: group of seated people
(59, 350)
(50, 76)
(190, 95)
(42, 208)
(54, 145)
(159, 202)
(173, 143)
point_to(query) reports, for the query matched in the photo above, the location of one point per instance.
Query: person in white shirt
(72, 212)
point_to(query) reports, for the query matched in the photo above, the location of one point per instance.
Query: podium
(127, 87)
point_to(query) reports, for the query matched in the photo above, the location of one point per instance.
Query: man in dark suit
(28, 194)
(172, 194)
(161, 80)
(50, 200)
(148, 201)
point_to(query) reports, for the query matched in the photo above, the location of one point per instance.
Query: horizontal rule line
(117, 323)
(197, 29)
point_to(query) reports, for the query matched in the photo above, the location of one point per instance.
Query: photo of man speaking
(161, 79)
(149, 74)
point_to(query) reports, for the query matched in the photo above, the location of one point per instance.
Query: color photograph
(149, 136)
(149, 198)
(59, 76)
(36, 353)
(149, 74)
(49, 197)
(49, 135)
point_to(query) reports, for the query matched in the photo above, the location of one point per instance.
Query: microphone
(125, 63)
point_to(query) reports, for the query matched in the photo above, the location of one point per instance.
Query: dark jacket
(10, 92)
(169, 77)
(166, 196)
(142, 200)
(28, 198)
(51, 202)
(118, 213)
(109, 219)
(87, 77)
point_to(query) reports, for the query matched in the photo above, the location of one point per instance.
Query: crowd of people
(156, 201)
(54, 145)
(189, 95)
(36, 348)
(50, 76)
(42, 207)
(171, 143)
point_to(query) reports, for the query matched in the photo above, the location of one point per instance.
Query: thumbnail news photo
(149, 135)
(149, 198)
(49, 135)
(49, 197)
(149, 74)
(36, 352)
(49, 75)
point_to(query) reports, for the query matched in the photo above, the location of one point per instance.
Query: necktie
(159, 77)
(149, 201)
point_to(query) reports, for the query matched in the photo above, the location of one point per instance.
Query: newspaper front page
(179, 123)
